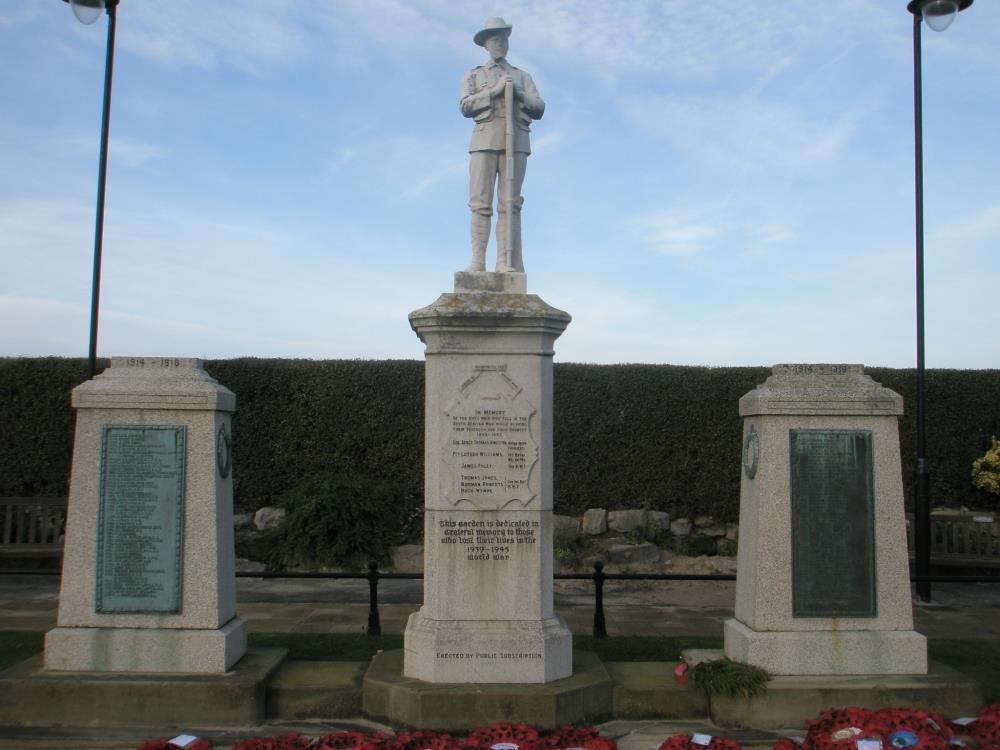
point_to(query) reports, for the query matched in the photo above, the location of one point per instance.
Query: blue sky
(713, 182)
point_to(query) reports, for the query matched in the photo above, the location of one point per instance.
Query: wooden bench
(32, 527)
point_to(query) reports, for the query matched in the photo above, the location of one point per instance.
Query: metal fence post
(374, 625)
(600, 631)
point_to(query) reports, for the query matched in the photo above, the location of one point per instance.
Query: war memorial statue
(502, 101)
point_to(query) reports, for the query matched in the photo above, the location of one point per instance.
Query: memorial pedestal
(823, 582)
(488, 612)
(148, 581)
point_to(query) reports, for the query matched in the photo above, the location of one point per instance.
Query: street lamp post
(938, 14)
(88, 11)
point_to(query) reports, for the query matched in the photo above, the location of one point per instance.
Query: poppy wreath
(786, 743)
(289, 741)
(164, 744)
(578, 738)
(684, 742)
(840, 729)
(503, 736)
(351, 740)
(985, 730)
(422, 741)
(921, 730)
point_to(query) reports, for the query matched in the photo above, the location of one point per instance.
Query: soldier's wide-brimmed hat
(491, 27)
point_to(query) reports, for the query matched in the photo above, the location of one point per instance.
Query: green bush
(625, 436)
(726, 677)
(986, 470)
(336, 522)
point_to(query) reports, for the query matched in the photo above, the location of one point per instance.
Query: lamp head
(88, 11)
(938, 13)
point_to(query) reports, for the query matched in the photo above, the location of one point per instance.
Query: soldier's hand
(498, 89)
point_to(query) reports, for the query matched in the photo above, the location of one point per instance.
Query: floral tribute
(164, 744)
(899, 728)
(353, 741)
(496, 736)
(503, 736)
(290, 741)
(424, 741)
(698, 742)
(985, 730)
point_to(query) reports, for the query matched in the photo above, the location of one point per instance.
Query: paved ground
(317, 606)
(631, 608)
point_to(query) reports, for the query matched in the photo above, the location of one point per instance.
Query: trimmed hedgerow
(656, 436)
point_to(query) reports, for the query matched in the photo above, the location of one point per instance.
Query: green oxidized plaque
(833, 525)
(140, 518)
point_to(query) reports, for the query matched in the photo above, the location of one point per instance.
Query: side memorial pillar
(148, 581)
(823, 583)
(488, 611)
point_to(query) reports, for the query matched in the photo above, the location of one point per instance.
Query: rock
(647, 552)
(408, 558)
(595, 521)
(565, 529)
(658, 518)
(680, 527)
(267, 517)
(732, 531)
(701, 522)
(718, 530)
(625, 521)
(242, 520)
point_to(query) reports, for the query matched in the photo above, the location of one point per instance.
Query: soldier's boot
(480, 232)
(501, 242)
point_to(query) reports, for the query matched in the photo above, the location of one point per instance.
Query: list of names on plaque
(140, 518)
(491, 450)
(833, 550)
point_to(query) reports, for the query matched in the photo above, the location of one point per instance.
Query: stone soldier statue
(482, 98)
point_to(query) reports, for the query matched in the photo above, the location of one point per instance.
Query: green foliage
(986, 469)
(701, 544)
(18, 645)
(625, 436)
(37, 436)
(333, 521)
(651, 532)
(567, 555)
(728, 547)
(725, 677)
(327, 646)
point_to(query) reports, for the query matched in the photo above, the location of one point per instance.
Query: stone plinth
(488, 614)
(823, 580)
(148, 581)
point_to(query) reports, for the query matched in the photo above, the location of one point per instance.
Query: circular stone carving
(224, 451)
(751, 453)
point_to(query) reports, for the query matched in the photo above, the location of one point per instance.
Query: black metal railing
(373, 575)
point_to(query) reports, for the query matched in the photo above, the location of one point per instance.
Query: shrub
(334, 521)
(726, 677)
(986, 470)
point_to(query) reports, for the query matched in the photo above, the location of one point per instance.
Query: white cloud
(672, 233)
(249, 35)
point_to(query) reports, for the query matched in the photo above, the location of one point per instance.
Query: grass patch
(18, 645)
(327, 646)
(643, 648)
(978, 658)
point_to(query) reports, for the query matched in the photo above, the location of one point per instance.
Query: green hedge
(655, 436)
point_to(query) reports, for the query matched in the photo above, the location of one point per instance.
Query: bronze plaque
(833, 523)
(140, 518)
